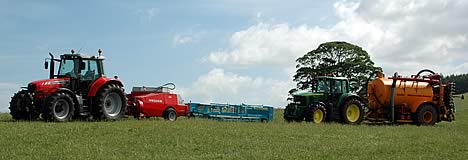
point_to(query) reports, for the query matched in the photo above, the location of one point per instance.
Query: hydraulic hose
(424, 70)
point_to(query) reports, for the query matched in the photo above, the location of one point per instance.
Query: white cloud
(268, 44)
(181, 39)
(7, 90)
(417, 33)
(226, 87)
(190, 35)
(400, 35)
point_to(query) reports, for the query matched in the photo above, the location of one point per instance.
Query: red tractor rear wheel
(110, 103)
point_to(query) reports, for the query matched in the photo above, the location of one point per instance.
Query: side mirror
(82, 65)
(46, 65)
(463, 97)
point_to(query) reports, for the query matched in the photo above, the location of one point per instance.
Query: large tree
(334, 58)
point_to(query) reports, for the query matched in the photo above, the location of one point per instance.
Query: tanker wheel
(21, 107)
(170, 114)
(58, 107)
(426, 115)
(110, 103)
(352, 112)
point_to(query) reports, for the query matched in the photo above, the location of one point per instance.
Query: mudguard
(101, 82)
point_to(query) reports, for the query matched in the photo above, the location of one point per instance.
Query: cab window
(345, 86)
(180, 100)
(337, 88)
(89, 70)
(67, 68)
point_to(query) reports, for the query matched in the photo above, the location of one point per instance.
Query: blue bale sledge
(228, 112)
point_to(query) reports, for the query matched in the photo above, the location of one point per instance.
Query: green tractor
(328, 100)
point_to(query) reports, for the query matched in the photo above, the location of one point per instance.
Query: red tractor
(156, 102)
(79, 89)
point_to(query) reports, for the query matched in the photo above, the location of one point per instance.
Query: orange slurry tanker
(421, 99)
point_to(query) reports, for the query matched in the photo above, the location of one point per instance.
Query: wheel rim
(112, 104)
(318, 116)
(427, 117)
(61, 109)
(171, 116)
(353, 113)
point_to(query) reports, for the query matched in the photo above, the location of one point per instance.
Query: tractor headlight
(31, 87)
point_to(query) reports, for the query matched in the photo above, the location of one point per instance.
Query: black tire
(316, 114)
(134, 111)
(58, 107)
(170, 114)
(285, 115)
(21, 106)
(110, 103)
(352, 112)
(426, 115)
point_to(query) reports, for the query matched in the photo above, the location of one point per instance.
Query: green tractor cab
(329, 99)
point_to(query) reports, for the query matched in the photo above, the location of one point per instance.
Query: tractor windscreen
(321, 85)
(67, 68)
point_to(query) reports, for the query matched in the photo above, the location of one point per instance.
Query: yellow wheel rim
(318, 116)
(353, 113)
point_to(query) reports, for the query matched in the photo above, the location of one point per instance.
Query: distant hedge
(461, 81)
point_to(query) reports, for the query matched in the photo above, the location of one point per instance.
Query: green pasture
(206, 139)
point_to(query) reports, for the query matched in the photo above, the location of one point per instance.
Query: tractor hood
(47, 85)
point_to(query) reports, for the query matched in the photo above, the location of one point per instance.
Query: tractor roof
(306, 93)
(328, 77)
(81, 56)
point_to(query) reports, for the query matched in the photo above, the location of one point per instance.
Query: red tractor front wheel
(21, 106)
(58, 107)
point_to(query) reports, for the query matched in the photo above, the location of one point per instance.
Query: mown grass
(206, 139)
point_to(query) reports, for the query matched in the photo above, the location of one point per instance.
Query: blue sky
(227, 51)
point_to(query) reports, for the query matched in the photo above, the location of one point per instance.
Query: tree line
(461, 82)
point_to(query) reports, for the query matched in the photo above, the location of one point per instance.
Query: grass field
(205, 139)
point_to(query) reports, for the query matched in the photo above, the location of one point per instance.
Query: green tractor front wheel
(316, 114)
(352, 112)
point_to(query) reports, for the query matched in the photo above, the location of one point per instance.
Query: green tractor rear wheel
(352, 112)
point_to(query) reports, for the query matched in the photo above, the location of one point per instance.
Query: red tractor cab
(79, 89)
(156, 102)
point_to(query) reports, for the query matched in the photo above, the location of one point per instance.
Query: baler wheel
(426, 115)
(58, 107)
(170, 114)
(352, 112)
(110, 103)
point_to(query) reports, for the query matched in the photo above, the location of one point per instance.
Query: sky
(226, 51)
